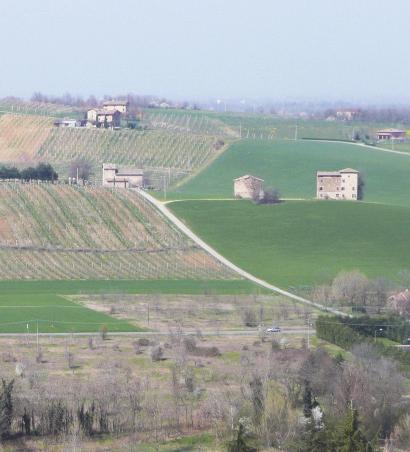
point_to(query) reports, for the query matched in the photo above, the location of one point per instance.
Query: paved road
(180, 225)
(227, 333)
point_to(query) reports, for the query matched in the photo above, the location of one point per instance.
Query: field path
(362, 145)
(180, 225)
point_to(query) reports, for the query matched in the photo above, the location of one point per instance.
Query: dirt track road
(180, 225)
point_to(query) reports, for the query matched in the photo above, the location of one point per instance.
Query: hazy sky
(279, 49)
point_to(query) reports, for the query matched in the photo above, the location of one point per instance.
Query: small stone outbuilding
(113, 176)
(248, 187)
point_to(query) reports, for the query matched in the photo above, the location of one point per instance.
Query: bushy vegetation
(43, 172)
(347, 332)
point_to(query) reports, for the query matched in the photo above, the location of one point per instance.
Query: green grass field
(291, 167)
(20, 313)
(25, 303)
(295, 244)
(180, 286)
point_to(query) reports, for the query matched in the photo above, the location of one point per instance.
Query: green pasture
(303, 243)
(393, 146)
(291, 166)
(30, 303)
(163, 286)
(21, 312)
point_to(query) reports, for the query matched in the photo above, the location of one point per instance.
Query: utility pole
(308, 333)
(165, 188)
(296, 132)
(37, 340)
(77, 175)
(240, 130)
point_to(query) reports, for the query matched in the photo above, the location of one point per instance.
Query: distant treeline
(137, 101)
(43, 171)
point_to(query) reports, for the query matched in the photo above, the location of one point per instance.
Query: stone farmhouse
(116, 105)
(113, 176)
(248, 187)
(341, 184)
(103, 118)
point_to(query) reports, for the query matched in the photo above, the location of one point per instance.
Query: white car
(273, 329)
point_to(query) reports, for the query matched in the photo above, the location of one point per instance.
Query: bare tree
(81, 169)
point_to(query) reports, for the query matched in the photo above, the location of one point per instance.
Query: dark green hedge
(347, 332)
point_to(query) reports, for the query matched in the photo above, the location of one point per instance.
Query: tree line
(43, 171)
(347, 332)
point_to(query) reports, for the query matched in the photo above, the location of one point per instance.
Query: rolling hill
(298, 243)
(291, 166)
(170, 145)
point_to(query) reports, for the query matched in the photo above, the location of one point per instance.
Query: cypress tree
(6, 408)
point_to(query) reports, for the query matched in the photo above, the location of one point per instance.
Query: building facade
(391, 134)
(113, 176)
(116, 105)
(248, 187)
(103, 118)
(342, 185)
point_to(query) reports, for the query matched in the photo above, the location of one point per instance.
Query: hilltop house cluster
(108, 117)
(341, 185)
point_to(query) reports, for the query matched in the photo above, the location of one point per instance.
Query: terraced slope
(62, 232)
(152, 149)
(21, 136)
(188, 122)
(174, 145)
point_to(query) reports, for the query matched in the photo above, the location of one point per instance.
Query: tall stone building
(343, 184)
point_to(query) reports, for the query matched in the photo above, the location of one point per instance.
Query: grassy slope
(302, 243)
(291, 166)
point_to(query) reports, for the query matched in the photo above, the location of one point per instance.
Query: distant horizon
(249, 102)
(290, 51)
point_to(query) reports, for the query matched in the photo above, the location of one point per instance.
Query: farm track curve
(187, 231)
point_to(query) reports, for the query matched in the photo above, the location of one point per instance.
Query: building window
(353, 196)
(343, 188)
(337, 195)
(353, 188)
(320, 188)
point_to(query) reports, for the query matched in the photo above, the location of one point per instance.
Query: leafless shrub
(39, 356)
(137, 348)
(199, 334)
(249, 317)
(103, 332)
(191, 348)
(218, 144)
(8, 357)
(90, 342)
(143, 342)
(157, 353)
